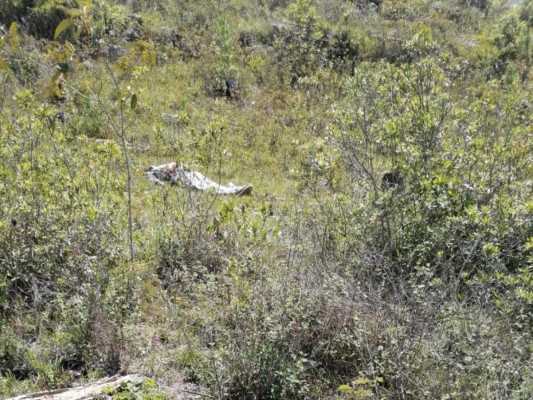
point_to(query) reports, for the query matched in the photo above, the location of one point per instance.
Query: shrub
(43, 18)
(26, 66)
(14, 10)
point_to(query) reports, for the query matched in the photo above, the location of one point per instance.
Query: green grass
(322, 277)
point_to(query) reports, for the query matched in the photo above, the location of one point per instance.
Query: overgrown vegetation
(387, 250)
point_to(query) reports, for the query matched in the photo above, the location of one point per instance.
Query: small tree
(120, 72)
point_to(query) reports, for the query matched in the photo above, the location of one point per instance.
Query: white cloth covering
(179, 174)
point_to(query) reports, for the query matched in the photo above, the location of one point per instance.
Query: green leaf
(65, 24)
(55, 78)
(83, 3)
(149, 383)
(108, 390)
(344, 388)
(133, 103)
(74, 12)
(70, 47)
(63, 67)
(3, 65)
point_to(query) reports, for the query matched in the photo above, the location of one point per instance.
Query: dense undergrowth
(386, 251)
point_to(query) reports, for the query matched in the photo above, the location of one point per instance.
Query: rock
(60, 116)
(133, 34)
(74, 366)
(246, 39)
(21, 372)
(256, 48)
(114, 52)
(232, 88)
(392, 179)
(176, 38)
(136, 18)
(181, 43)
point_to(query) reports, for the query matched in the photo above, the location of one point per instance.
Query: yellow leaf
(65, 24)
(74, 12)
(55, 78)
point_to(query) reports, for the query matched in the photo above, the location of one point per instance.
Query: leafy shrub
(386, 251)
(135, 391)
(57, 263)
(26, 66)
(106, 18)
(299, 47)
(90, 122)
(43, 18)
(40, 18)
(13, 10)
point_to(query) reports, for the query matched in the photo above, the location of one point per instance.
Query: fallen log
(83, 392)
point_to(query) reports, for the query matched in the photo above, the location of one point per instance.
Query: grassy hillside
(386, 251)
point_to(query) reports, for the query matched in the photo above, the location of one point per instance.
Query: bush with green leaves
(386, 250)
(299, 45)
(418, 131)
(58, 249)
(42, 18)
(135, 391)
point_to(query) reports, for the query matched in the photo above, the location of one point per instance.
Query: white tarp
(179, 174)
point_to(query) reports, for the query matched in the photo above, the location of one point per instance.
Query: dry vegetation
(386, 252)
